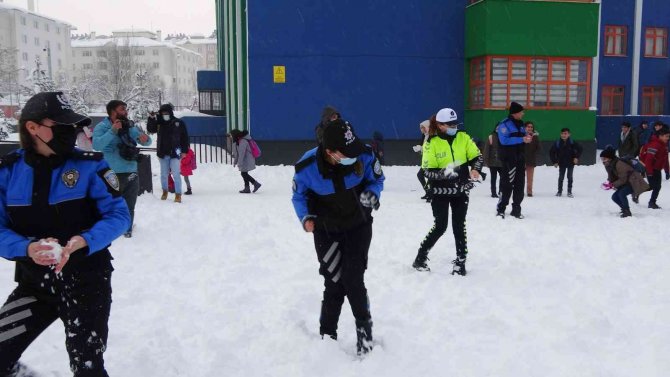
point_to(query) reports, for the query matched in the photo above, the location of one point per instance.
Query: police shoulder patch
(377, 168)
(70, 178)
(111, 180)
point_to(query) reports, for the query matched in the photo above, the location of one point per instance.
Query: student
(335, 188)
(565, 154)
(492, 160)
(531, 152)
(654, 155)
(623, 179)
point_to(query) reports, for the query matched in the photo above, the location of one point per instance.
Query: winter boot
(164, 196)
(459, 266)
(653, 206)
(518, 215)
(420, 262)
(245, 190)
(177, 198)
(364, 337)
(501, 214)
(559, 194)
(570, 195)
(188, 192)
(626, 213)
(257, 185)
(636, 198)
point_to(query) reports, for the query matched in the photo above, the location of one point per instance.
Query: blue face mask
(344, 161)
(452, 131)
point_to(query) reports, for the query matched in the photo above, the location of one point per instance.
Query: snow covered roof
(202, 41)
(19, 9)
(125, 41)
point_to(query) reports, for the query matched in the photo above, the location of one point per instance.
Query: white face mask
(166, 117)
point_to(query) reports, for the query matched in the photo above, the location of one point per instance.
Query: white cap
(446, 115)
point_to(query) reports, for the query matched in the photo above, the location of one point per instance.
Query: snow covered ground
(227, 285)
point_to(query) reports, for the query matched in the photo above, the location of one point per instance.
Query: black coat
(172, 136)
(563, 152)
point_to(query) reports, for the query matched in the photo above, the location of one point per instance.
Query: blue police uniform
(513, 172)
(59, 197)
(330, 196)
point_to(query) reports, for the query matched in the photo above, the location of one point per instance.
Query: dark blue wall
(386, 65)
(211, 80)
(205, 126)
(608, 128)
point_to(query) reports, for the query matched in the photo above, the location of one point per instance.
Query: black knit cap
(608, 153)
(515, 107)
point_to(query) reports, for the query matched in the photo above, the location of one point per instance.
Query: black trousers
(512, 180)
(248, 179)
(82, 301)
(494, 177)
(561, 176)
(422, 179)
(655, 181)
(459, 210)
(343, 259)
(129, 185)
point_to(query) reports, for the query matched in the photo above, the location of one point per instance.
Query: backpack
(637, 165)
(253, 147)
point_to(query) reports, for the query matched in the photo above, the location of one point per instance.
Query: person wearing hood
(328, 114)
(451, 162)
(244, 159)
(512, 136)
(171, 146)
(336, 186)
(60, 210)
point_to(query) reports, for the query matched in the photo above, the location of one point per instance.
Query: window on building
(46, 27)
(101, 54)
(653, 98)
(59, 47)
(557, 83)
(36, 24)
(57, 30)
(139, 52)
(23, 21)
(88, 66)
(60, 64)
(155, 52)
(656, 42)
(37, 41)
(25, 56)
(24, 39)
(212, 103)
(102, 65)
(104, 78)
(156, 65)
(611, 101)
(86, 53)
(615, 40)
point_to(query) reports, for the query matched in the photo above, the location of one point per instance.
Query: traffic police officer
(446, 157)
(335, 188)
(52, 193)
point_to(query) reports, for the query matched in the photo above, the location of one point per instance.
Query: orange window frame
(610, 96)
(612, 31)
(651, 32)
(528, 82)
(649, 94)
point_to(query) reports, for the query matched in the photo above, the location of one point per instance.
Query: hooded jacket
(172, 134)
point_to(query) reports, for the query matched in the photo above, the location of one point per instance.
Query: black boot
(188, 192)
(420, 262)
(653, 206)
(245, 190)
(459, 266)
(626, 213)
(364, 337)
(257, 185)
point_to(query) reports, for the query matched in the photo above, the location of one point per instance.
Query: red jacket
(656, 156)
(188, 163)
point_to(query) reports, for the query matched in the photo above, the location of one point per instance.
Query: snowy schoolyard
(226, 284)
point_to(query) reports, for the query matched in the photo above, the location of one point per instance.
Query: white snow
(56, 251)
(226, 284)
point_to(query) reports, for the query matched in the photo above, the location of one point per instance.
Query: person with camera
(171, 146)
(117, 137)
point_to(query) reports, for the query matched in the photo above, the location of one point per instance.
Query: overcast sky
(103, 16)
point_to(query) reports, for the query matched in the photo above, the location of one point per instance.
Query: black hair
(625, 124)
(113, 104)
(25, 138)
(565, 129)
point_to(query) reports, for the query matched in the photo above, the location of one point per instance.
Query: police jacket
(510, 135)
(446, 160)
(59, 197)
(172, 136)
(329, 194)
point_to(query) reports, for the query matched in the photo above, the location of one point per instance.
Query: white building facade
(32, 36)
(203, 46)
(169, 67)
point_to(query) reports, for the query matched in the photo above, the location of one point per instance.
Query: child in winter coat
(654, 155)
(492, 160)
(188, 164)
(623, 178)
(565, 155)
(244, 159)
(531, 151)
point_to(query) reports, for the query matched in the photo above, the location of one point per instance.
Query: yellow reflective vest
(439, 153)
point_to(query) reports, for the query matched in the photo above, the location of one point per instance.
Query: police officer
(446, 158)
(117, 137)
(60, 209)
(335, 188)
(512, 136)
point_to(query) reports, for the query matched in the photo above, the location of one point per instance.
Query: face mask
(64, 139)
(344, 161)
(452, 131)
(166, 117)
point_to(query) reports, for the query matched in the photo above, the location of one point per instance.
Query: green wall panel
(531, 28)
(582, 123)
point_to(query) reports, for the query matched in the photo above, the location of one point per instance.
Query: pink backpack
(253, 147)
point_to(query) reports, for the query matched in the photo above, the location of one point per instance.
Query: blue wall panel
(386, 65)
(608, 128)
(211, 80)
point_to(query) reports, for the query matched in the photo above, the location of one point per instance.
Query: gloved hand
(369, 199)
(667, 176)
(606, 186)
(417, 148)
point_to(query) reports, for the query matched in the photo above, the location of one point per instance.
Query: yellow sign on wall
(279, 73)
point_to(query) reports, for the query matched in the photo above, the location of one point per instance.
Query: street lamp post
(48, 51)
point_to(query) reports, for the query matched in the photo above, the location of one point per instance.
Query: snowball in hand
(56, 251)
